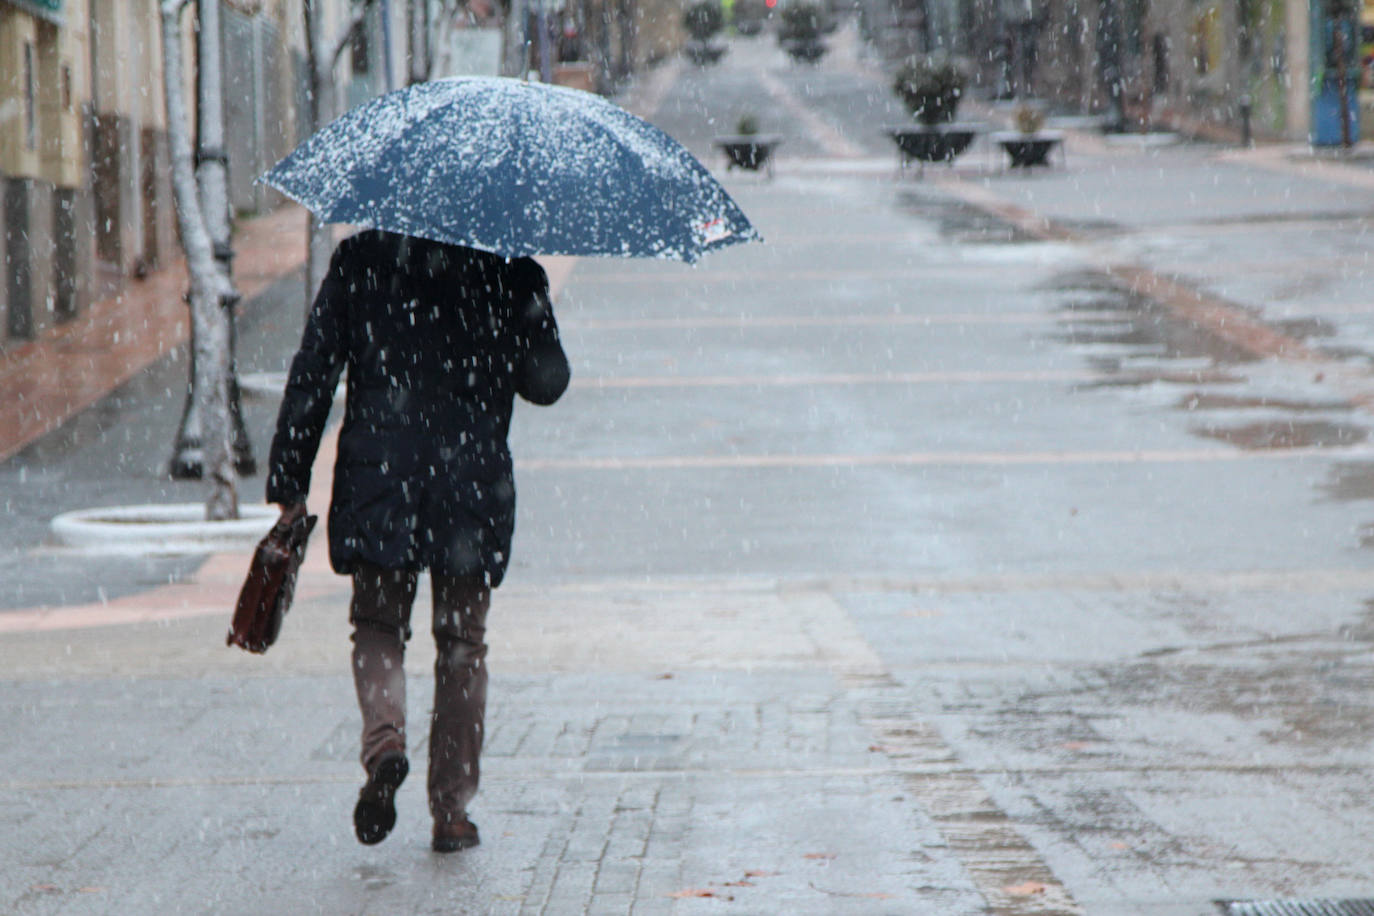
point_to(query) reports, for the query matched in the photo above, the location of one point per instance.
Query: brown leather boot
(375, 813)
(453, 835)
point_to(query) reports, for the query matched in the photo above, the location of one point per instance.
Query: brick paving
(969, 742)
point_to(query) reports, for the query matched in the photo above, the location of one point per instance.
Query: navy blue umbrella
(514, 168)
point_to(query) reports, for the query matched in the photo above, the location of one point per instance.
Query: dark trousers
(380, 614)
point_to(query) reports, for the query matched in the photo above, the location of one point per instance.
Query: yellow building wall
(62, 82)
(19, 149)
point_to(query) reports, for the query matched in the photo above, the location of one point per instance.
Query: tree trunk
(212, 178)
(212, 159)
(208, 285)
(320, 62)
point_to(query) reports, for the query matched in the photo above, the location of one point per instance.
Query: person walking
(437, 341)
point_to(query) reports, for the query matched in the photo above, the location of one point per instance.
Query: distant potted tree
(800, 32)
(703, 20)
(747, 148)
(931, 88)
(1029, 144)
(749, 16)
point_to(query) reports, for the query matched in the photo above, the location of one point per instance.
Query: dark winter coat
(437, 341)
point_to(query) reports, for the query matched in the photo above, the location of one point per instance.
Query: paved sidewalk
(705, 741)
(767, 647)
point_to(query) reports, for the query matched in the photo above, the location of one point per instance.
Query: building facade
(84, 157)
(46, 204)
(1219, 66)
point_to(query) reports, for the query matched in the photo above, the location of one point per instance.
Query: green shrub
(703, 20)
(1028, 119)
(801, 22)
(931, 87)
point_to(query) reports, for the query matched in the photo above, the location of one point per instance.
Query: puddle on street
(1094, 228)
(1306, 328)
(1080, 281)
(1134, 341)
(1115, 377)
(1353, 481)
(959, 222)
(1349, 481)
(1307, 696)
(1345, 353)
(1280, 434)
(1203, 400)
(1144, 329)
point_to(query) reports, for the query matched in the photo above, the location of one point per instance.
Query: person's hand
(290, 512)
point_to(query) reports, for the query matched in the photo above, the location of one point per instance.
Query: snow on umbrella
(514, 168)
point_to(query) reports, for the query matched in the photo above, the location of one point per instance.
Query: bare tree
(210, 287)
(321, 58)
(212, 180)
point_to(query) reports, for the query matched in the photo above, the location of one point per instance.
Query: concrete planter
(704, 53)
(749, 151)
(1028, 150)
(805, 50)
(179, 528)
(935, 142)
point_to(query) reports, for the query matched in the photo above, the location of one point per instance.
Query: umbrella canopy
(513, 168)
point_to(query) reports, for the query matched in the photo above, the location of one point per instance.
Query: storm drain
(1297, 907)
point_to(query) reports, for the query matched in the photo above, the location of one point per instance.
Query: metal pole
(390, 81)
(545, 57)
(418, 23)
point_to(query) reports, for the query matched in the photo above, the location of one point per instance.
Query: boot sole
(454, 844)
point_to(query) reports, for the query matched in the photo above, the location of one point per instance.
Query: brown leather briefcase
(266, 594)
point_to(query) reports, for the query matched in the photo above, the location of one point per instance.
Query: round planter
(749, 151)
(179, 528)
(934, 143)
(703, 53)
(805, 50)
(1028, 150)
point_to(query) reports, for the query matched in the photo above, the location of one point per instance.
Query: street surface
(982, 542)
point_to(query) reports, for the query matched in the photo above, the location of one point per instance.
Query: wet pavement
(982, 543)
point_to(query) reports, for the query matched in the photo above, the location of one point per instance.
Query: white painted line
(933, 459)
(965, 377)
(1305, 580)
(824, 321)
(838, 276)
